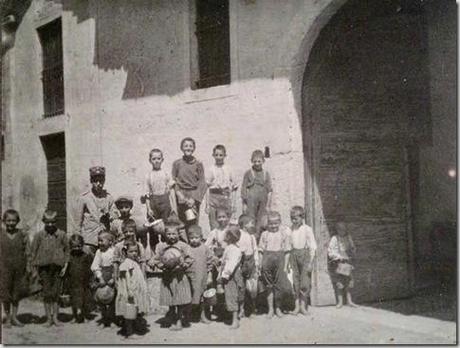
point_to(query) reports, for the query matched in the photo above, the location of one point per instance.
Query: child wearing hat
(50, 256)
(78, 278)
(95, 208)
(230, 275)
(124, 205)
(174, 258)
(201, 268)
(14, 245)
(104, 271)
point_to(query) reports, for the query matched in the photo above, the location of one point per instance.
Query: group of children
(210, 276)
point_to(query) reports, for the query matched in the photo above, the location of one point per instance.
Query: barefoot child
(174, 257)
(256, 190)
(274, 249)
(221, 186)
(103, 267)
(14, 245)
(132, 293)
(230, 275)
(78, 278)
(250, 260)
(190, 183)
(340, 252)
(50, 256)
(303, 249)
(200, 270)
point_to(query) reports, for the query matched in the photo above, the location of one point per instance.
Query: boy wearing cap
(95, 208)
(124, 205)
(50, 256)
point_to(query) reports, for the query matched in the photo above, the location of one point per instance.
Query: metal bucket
(209, 297)
(190, 214)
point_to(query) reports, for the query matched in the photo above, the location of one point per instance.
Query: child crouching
(132, 297)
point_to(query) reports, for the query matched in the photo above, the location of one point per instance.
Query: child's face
(97, 182)
(129, 232)
(219, 156)
(195, 240)
(104, 243)
(11, 222)
(156, 159)
(250, 227)
(132, 252)
(341, 230)
(172, 235)
(124, 209)
(258, 162)
(76, 247)
(188, 148)
(222, 219)
(273, 224)
(296, 218)
(50, 226)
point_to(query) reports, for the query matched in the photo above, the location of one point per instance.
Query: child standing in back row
(303, 249)
(221, 186)
(256, 190)
(190, 184)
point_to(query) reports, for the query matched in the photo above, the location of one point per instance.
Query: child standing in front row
(230, 275)
(303, 251)
(132, 292)
(14, 246)
(340, 252)
(175, 290)
(250, 260)
(200, 271)
(103, 267)
(78, 277)
(274, 248)
(190, 183)
(50, 256)
(256, 190)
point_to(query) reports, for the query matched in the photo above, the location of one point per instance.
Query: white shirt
(303, 238)
(102, 259)
(248, 245)
(220, 177)
(230, 260)
(157, 182)
(216, 238)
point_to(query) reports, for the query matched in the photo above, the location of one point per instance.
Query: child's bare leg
(203, 318)
(297, 307)
(278, 311)
(49, 314)
(241, 311)
(75, 314)
(271, 311)
(235, 320)
(55, 314)
(7, 308)
(14, 315)
(303, 306)
(339, 298)
(349, 299)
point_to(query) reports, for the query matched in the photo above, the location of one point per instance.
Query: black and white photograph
(224, 172)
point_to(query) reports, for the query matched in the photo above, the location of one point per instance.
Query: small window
(213, 41)
(53, 69)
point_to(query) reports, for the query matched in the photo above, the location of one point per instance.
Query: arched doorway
(365, 102)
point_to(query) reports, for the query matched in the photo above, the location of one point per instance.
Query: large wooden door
(359, 93)
(54, 147)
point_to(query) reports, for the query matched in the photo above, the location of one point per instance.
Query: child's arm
(268, 185)
(333, 249)
(66, 249)
(202, 186)
(244, 191)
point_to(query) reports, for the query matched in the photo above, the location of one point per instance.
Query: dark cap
(96, 171)
(123, 199)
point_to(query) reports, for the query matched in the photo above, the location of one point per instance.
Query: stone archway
(364, 105)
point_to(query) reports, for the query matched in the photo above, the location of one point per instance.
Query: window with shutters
(213, 43)
(53, 69)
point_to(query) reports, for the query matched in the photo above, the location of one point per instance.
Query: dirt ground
(326, 325)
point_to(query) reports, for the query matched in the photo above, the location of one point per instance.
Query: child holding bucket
(200, 271)
(174, 258)
(132, 296)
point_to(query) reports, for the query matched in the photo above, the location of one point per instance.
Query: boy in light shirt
(303, 249)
